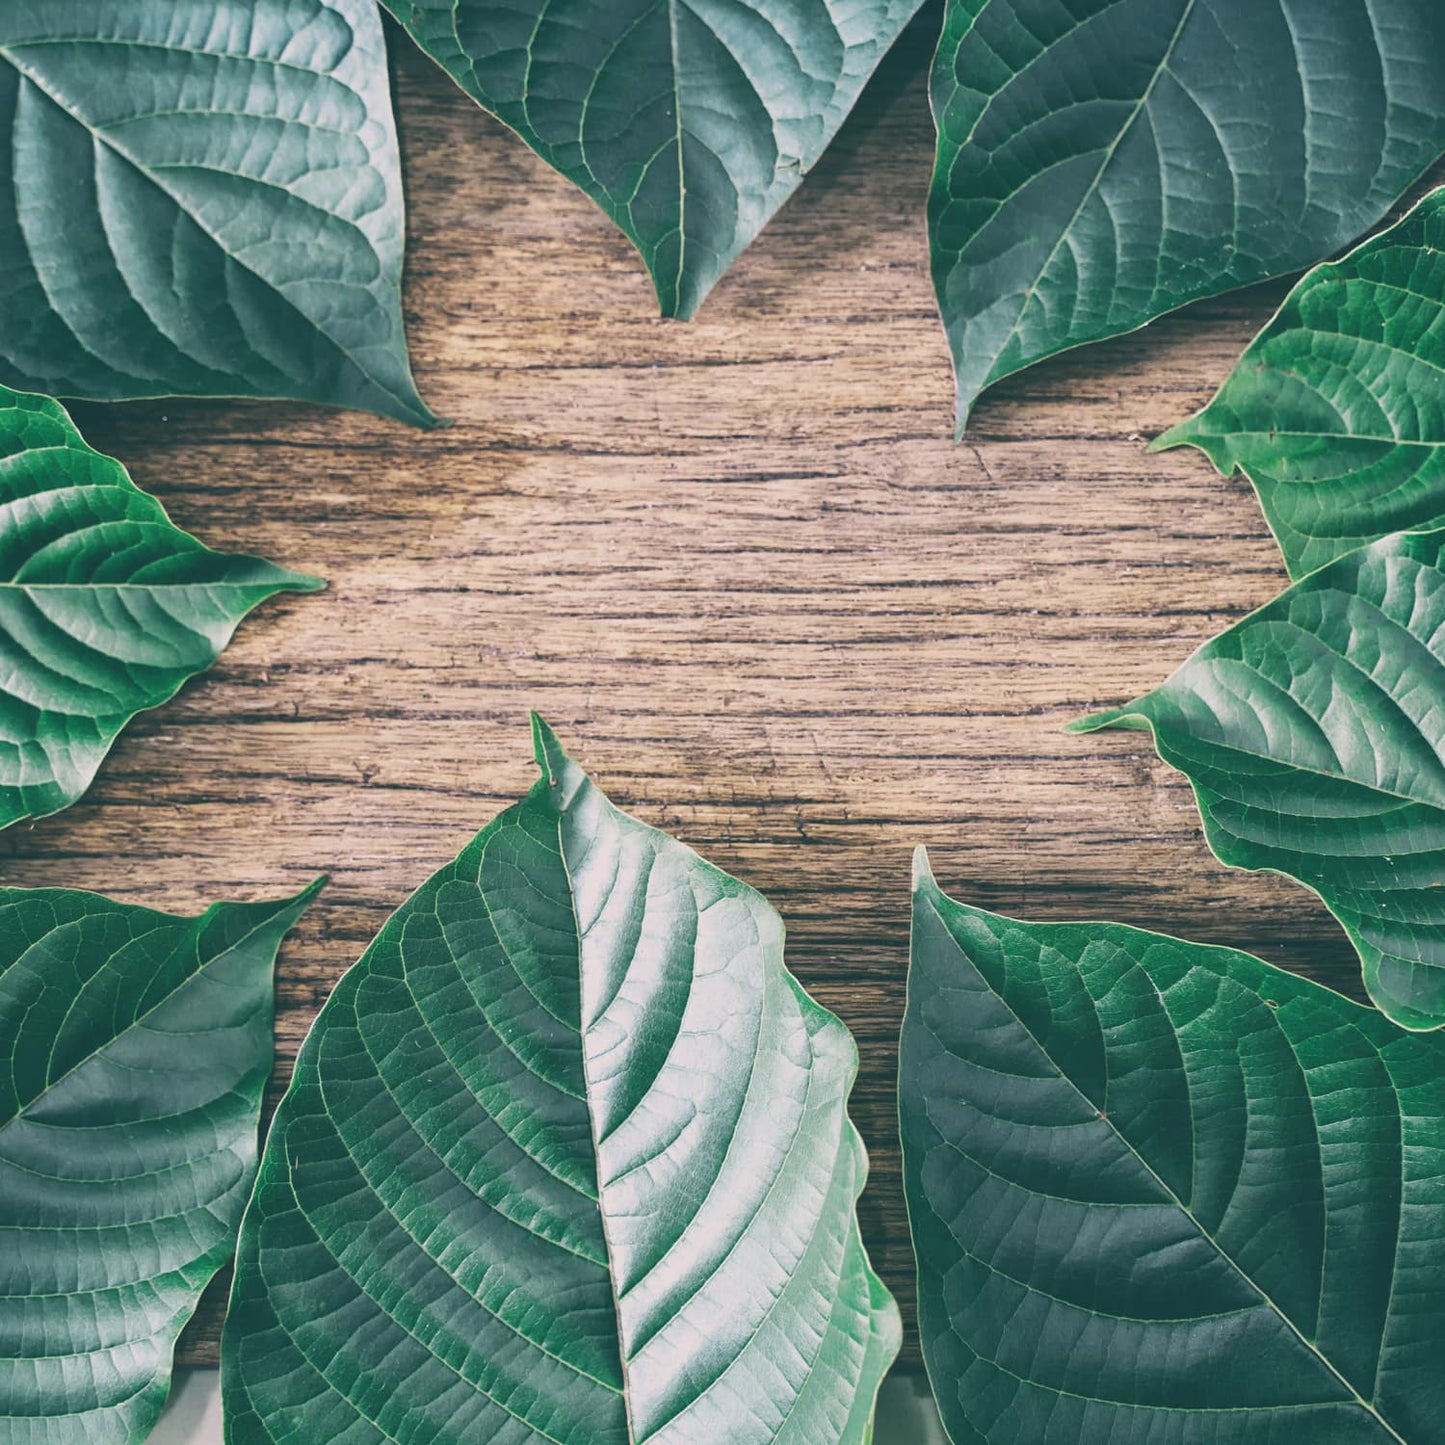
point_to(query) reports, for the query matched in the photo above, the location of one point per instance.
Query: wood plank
(738, 563)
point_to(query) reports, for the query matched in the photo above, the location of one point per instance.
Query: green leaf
(1312, 732)
(106, 608)
(1164, 1193)
(688, 121)
(1101, 162)
(202, 200)
(565, 1159)
(134, 1047)
(1336, 411)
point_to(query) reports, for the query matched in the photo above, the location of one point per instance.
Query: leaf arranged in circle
(1336, 411)
(1314, 734)
(688, 121)
(106, 607)
(566, 1159)
(134, 1047)
(201, 200)
(1164, 1192)
(1101, 162)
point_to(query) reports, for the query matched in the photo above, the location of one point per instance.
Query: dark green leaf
(688, 121)
(106, 608)
(134, 1047)
(1103, 161)
(1166, 1194)
(1336, 412)
(1313, 733)
(201, 200)
(565, 1159)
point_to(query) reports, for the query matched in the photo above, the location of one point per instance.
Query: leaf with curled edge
(1313, 732)
(1164, 1192)
(1336, 410)
(202, 200)
(688, 121)
(1101, 162)
(134, 1048)
(106, 607)
(565, 1158)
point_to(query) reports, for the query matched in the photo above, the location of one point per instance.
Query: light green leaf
(565, 1159)
(688, 121)
(106, 608)
(201, 200)
(1101, 162)
(134, 1047)
(1166, 1194)
(1313, 732)
(1336, 411)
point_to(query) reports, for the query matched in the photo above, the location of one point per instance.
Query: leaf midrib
(1092, 189)
(1313, 1349)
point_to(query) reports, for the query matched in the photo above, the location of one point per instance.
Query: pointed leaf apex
(1097, 721)
(309, 893)
(547, 750)
(1182, 434)
(923, 879)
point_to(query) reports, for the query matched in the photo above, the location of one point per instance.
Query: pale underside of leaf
(565, 1159)
(1163, 1192)
(1101, 162)
(134, 1047)
(202, 200)
(1336, 411)
(688, 121)
(106, 607)
(1313, 735)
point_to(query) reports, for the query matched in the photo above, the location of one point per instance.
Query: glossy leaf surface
(1164, 1193)
(1314, 734)
(565, 1159)
(201, 200)
(134, 1047)
(1336, 411)
(1101, 162)
(106, 608)
(688, 121)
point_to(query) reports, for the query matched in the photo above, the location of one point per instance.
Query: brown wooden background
(739, 564)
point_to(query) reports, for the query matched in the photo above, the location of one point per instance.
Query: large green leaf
(1166, 1194)
(203, 200)
(134, 1047)
(1336, 411)
(688, 121)
(1314, 734)
(106, 608)
(1103, 161)
(565, 1159)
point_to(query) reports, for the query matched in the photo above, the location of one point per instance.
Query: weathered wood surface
(739, 564)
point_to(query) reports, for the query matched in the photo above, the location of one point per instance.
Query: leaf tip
(548, 751)
(1179, 435)
(1095, 722)
(923, 879)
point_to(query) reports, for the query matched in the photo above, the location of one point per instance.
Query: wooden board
(739, 564)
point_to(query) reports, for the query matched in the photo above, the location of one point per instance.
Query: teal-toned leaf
(1336, 411)
(201, 200)
(565, 1159)
(1165, 1193)
(134, 1047)
(106, 608)
(1314, 734)
(688, 123)
(1101, 162)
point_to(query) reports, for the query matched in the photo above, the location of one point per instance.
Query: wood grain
(741, 567)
